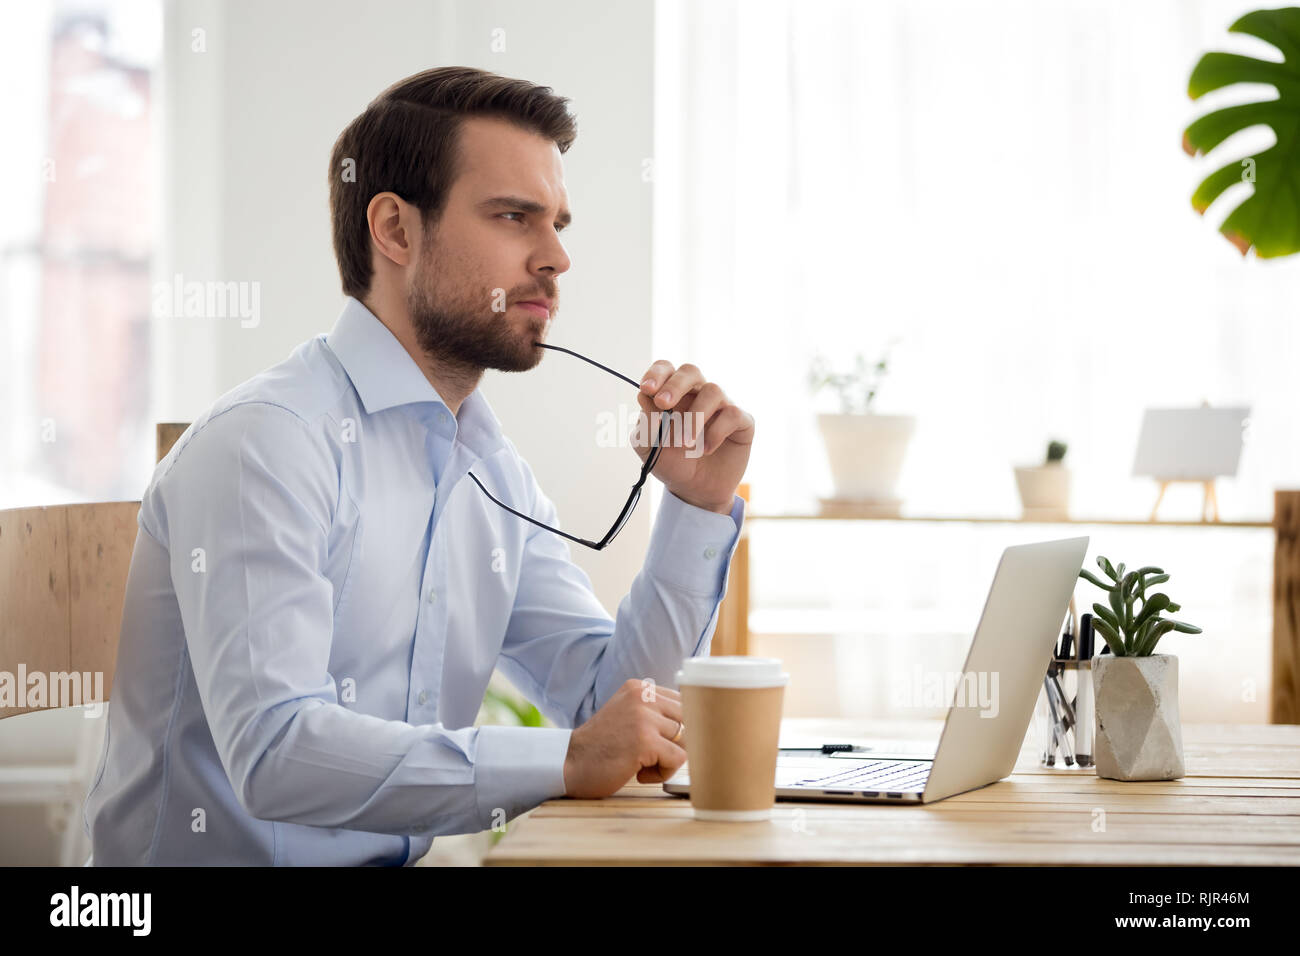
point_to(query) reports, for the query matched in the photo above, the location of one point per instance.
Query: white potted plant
(1139, 734)
(865, 449)
(1045, 489)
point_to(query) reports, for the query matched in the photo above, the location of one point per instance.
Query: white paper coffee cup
(731, 710)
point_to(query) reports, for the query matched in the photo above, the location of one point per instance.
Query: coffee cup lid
(732, 671)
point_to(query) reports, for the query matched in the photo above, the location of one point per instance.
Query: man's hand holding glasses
(698, 443)
(705, 466)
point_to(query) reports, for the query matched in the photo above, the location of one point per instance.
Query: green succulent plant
(1131, 632)
(1055, 451)
(1269, 219)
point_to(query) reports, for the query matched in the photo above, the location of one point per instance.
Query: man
(317, 599)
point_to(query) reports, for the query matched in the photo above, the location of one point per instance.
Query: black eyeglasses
(656, 444)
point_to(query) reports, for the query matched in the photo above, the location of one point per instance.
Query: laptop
(992, 703)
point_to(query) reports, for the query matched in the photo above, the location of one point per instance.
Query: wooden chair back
(63, 571)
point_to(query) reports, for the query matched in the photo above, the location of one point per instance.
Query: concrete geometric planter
(1139, 734)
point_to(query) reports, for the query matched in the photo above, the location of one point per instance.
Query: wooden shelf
(972, 519)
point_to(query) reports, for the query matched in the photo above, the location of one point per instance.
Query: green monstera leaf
(1270, 219)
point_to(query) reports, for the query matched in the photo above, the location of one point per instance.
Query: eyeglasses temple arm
(596, 546)
(560, 348)
(563, 534)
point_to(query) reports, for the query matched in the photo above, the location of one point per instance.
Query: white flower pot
(1044, 490)
(866, 453)
(1139, 735)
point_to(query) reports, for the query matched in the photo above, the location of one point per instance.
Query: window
(76, 244)
(1001, 187)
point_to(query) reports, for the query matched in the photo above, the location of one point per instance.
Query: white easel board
(1190, 444)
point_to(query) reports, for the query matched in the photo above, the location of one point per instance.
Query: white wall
(248, 128)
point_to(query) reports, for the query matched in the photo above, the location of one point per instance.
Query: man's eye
(559, 227)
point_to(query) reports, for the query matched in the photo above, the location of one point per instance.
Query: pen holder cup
(1065, 716)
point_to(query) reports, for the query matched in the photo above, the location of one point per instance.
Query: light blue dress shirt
(316, 604)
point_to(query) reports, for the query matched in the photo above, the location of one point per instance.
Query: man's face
(495, 247)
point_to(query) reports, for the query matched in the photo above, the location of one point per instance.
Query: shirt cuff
(517, 768)
(690, 547)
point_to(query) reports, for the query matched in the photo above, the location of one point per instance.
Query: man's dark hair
(406, 141)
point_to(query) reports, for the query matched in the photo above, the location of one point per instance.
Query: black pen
(1062, 650)
(1084, 701)
(1049, 754)
(827, 749)
(1067, 710)
(1062, 738)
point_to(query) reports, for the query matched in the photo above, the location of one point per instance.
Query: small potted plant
(865, 449)
(1045, 488)
(1139, 735)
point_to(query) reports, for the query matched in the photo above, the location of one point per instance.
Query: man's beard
(464, 331)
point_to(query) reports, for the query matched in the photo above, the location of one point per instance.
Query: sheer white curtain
(1001, 186)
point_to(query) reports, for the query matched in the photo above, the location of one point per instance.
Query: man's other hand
(631, 734)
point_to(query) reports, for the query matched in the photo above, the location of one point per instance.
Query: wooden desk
(1238, 805)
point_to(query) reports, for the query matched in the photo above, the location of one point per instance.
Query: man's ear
(393, 227)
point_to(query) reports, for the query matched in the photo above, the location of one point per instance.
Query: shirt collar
(385, 376)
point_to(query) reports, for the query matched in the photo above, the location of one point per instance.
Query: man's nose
(551, 256)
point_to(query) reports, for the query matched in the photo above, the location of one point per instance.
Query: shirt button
(710, 552)
(424, 697)
(433, 596)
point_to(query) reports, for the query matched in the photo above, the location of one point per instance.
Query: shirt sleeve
(562, 649)
(246, 509)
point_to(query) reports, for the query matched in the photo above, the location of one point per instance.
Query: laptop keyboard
(898, 776)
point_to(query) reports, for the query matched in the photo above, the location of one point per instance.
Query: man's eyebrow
(526, 205)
